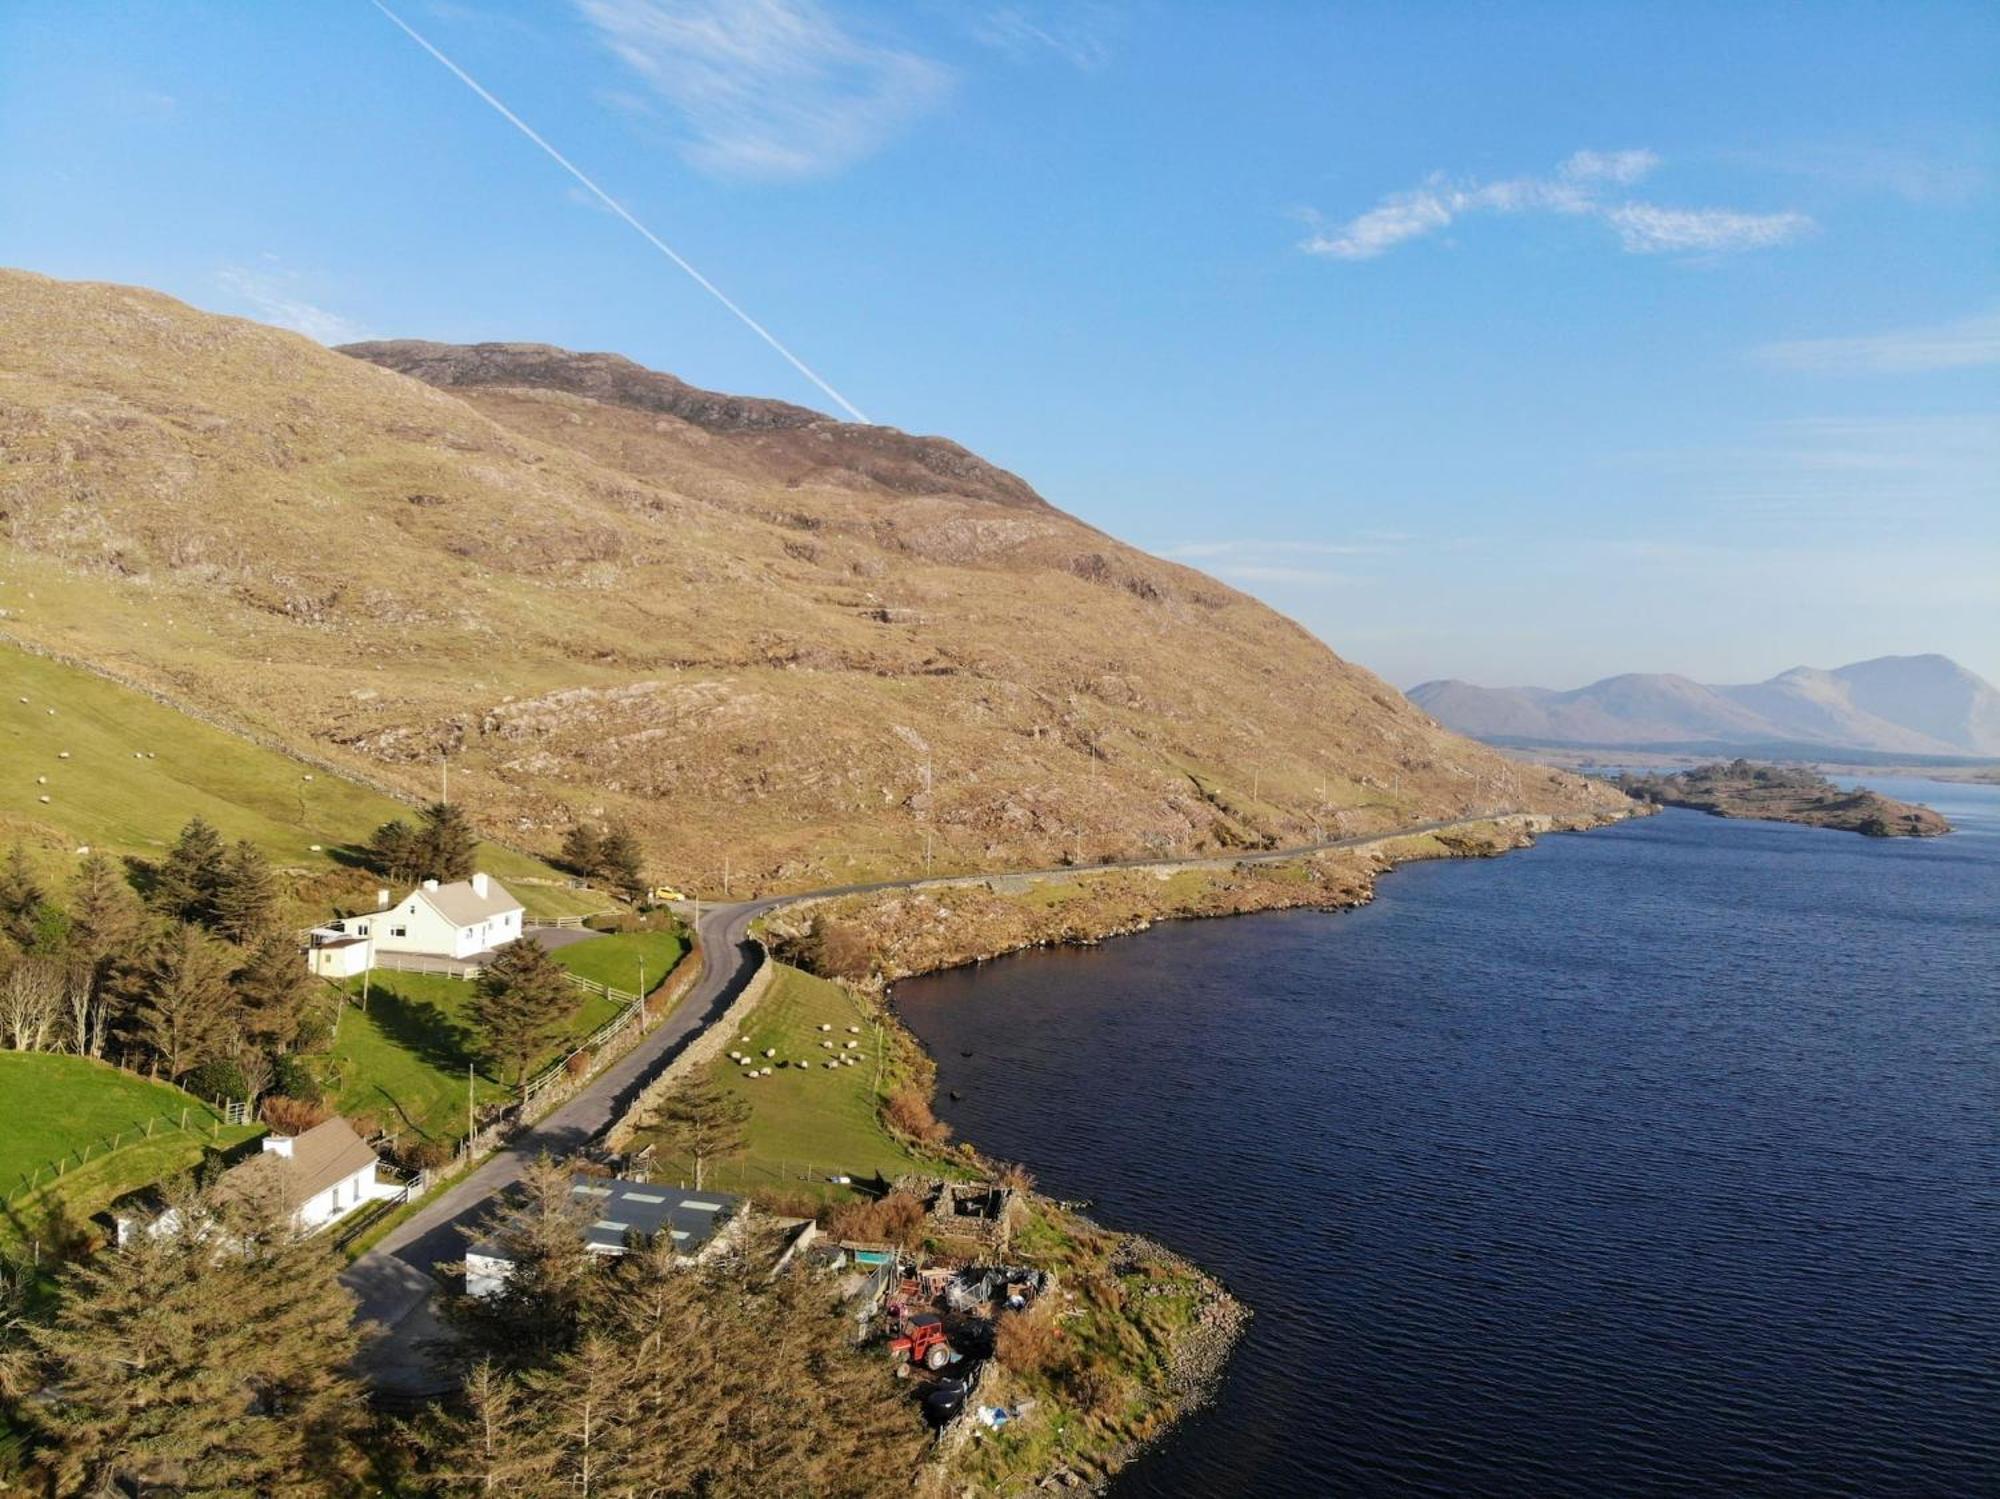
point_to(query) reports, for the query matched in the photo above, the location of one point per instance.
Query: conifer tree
(703, 1120)
(105, 915)
(621, 863)
(274, 991)
(393, 852)
(583, 850)
(518, 1002)
(539, 1311)
(21, 897)
(207, 1357)
(185, 1006)
(450, 847)
(190, 877)
(246, 899)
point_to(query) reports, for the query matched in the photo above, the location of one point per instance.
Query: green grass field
(805, 1125)
(403, 1059)
(62, 1108)
(138, 770)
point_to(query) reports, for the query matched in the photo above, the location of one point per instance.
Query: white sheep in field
(770, 1051)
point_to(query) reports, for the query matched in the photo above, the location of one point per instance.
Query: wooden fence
(49, 1172)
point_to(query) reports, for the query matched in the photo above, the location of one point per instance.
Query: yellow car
(667, 892)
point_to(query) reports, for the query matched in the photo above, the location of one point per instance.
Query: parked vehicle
(922, 1341)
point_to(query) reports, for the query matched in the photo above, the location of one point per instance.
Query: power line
(619, 208)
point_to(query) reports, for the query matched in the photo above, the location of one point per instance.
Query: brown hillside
(743, 625)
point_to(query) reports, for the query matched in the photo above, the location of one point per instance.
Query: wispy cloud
(273, 295)
(1078, 33)
(1965, 344)
(768, 88)
(1577, 188)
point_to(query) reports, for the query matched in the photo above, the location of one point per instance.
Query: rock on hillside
(751, 630)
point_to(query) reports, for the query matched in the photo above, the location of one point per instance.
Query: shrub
(1027, 1342)
(293, 1078)
(424, 1154)
(577, 1063)
(218, 1078)
(896, 1219)
(292, 1116)
(909, 1113)
(837, 950)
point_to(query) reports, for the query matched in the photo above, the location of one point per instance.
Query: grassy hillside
(812, 1123)
(93, 1121)
(814, 651)
(123, 772)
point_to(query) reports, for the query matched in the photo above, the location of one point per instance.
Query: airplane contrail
(619, 208)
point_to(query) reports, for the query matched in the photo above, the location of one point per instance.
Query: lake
(1662, 1159)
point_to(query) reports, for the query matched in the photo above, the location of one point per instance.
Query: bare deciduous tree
(31, 999)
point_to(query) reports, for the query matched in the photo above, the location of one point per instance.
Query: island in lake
(1783, 793)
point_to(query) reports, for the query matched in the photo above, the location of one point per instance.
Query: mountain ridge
(1924, 705)
(781, 674)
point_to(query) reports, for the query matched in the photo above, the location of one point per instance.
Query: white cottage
(444, 921)
(328, 1171)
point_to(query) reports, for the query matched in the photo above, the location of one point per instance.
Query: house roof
(621, 1208)
(462, 905)
(327, 1153)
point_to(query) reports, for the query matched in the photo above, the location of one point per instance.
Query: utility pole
(927, 850)
(444, 778)
(725, 873)
(471, 1127)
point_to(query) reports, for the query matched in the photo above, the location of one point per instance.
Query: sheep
(770, 1051)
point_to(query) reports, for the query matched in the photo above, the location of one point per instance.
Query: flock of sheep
(845, 1055)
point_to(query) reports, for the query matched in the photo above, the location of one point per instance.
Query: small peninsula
(1782, 793)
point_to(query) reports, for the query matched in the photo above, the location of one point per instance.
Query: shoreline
(1328, 880)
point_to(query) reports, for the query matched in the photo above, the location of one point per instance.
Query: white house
(336, 954)
(326, 1172)
(443, 921)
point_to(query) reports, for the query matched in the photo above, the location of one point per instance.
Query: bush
(896, 1219)
(909, 1113)
(424, 1154)
(217, 1078)
(292, 1116)
(578, 1062)
(293, 1078)
(1027, 1342)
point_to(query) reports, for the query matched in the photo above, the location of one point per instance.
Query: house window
(399, 931)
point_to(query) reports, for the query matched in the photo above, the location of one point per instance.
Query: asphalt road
(393, 1281)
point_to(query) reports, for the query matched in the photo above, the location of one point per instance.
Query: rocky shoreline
(1779, 793)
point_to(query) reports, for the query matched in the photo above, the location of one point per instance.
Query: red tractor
(922, 1341)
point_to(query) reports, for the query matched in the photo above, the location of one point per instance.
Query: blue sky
(1523, 343)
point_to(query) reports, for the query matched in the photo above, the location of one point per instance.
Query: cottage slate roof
(619, 1208)
(328, 1153)
(462, 905)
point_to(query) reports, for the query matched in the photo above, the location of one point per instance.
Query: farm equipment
(922, 1341)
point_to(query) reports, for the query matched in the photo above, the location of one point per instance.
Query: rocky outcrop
(1786, 794)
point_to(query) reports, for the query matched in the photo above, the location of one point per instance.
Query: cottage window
(399, 931)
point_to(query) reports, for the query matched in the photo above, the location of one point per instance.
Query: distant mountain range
(1894, 705)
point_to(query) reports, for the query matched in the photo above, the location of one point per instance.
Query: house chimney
(479, 883)
(279, 1145)
(381, 900)
(430, 884)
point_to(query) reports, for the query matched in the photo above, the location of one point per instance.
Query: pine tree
(702, 1120)
(518, 1003)
(246, 900)
(583, 850)
(490, 1444)
(449, 845)
(394, 854)
(206, 1357)
(621, 863)
(190, 878)
(185, 1007)
(274, 991)
(21, 896)
(539, 1311)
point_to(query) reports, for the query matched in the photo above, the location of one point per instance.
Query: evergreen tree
(274, 992)
(489, 1444)
(518, 1002)
(105, 915)
(583, 850)
(246, 900)
(450, 847)
(703, 1120)
(394, 854)
(206, 1358)
(21, 897)
(621, 864)
(185, 1008)
(189, 879)
(539, 1311)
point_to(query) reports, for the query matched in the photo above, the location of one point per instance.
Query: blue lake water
(1663, 1159)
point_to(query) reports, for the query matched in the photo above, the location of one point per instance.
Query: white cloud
(1965, 344)
(1642, 228)
(273, 296)
(768, 88)
(1079, 34)
(1648, 229)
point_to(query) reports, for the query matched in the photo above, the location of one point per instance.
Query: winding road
(393, 1282)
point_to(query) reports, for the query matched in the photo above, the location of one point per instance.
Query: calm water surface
(1659, 1160)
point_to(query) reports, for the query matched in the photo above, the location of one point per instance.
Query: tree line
(185, 972)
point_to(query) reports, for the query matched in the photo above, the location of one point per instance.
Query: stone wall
(705, 1048)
